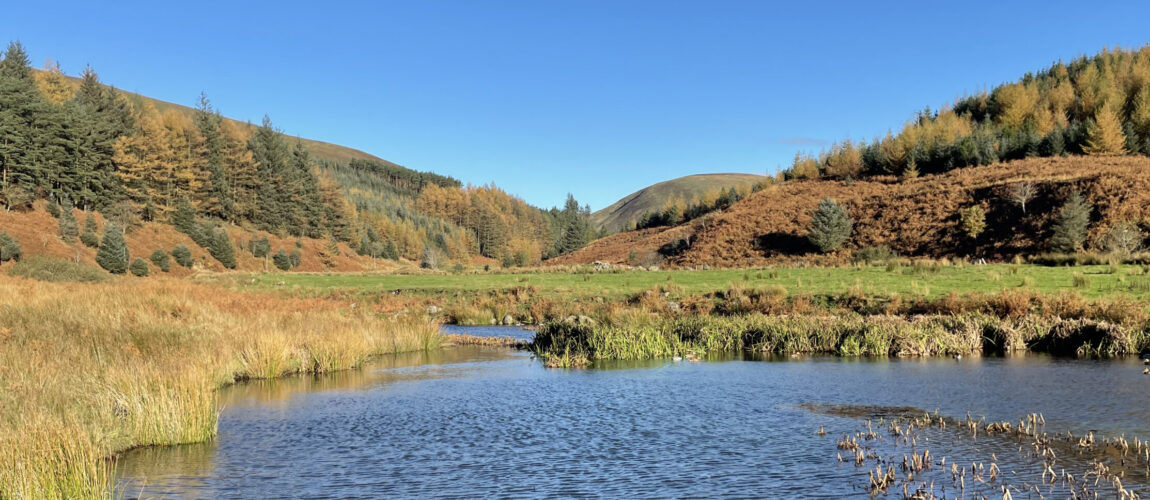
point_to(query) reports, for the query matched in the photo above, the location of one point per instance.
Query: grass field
(925, 280)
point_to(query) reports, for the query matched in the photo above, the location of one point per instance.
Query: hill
(916, 217)
(80, 143)
(623, 214)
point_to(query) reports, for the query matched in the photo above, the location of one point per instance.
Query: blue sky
(596, 98)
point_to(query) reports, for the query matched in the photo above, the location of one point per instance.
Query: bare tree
(1022, 193)
(1125, 238)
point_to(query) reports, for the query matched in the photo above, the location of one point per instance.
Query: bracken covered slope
(918, 217)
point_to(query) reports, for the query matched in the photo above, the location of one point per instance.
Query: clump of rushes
(649, 337)
(155, 380)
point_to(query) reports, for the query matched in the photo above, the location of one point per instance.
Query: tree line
(1098, 105)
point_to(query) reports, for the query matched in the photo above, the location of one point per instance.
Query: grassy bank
(89, 370)
(639, 336)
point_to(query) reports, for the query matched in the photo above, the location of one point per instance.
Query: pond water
(484, 422)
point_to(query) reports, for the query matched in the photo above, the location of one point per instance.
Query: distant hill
(915, 217)
(622, 214)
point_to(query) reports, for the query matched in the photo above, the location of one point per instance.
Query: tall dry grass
(89, 370)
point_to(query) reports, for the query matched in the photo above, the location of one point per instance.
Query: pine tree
(68, 228)
(182, 256)
(161, 260)
(282, 261)
(9, 248)
(272, 156)
(221, 249)
(219, 202)
(113, 252)
(1104, 134)
(184, 217)
(88, 237)
(1070, 227)
(139, 267)
(830, 226)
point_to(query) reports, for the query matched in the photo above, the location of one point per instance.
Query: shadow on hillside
(779, 243)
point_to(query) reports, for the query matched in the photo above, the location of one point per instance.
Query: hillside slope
(36, 232)
(918, 217)
(622, 214)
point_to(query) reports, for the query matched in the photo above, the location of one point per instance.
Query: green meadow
(922, 279)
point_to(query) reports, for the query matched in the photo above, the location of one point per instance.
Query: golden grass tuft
(90, 370)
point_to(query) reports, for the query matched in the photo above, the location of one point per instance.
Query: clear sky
(546, 97)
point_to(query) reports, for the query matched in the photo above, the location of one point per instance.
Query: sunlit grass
(89, 370)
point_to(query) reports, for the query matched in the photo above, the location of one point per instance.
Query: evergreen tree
(830, 226)
(272, 157)
(281, 260)
(296, 257)
(182, 256)
(221, 249)
(1070, 227)
(139, 267)
(113, 252)
(161, 260)
(184, 217)
(9, 248)
(389, 250)
(88, 237)
(219, 202)
(68, 228)
(53, 208)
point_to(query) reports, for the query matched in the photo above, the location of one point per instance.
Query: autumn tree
(1104, 134)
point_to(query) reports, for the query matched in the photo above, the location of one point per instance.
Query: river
(470, 422)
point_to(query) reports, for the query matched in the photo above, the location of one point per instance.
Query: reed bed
(89, 370)
(571, 344)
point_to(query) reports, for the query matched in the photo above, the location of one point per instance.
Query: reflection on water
(471, 421)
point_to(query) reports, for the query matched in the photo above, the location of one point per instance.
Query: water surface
(481, 422)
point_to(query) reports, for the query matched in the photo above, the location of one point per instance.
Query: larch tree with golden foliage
(1104, 134)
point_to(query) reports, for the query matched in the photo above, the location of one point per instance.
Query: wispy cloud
(803, 141)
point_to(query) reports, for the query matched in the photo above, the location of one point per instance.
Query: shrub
(43, 268)
(139, 267)
(1070, 228)
(182, 255)
(879, 254)
(1081, 281)
(296, 257)
(113, 252)
(281, 260)
(9, 248)
(161, 260)
(88, 237)
(221, 249)
(973, 221)
(830, 226)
